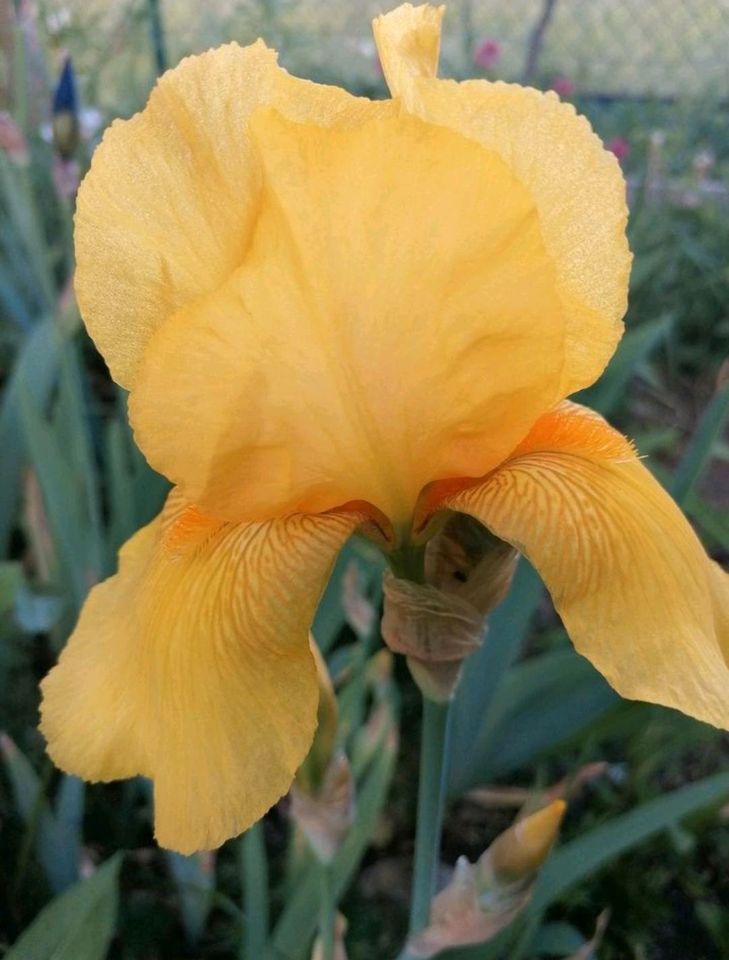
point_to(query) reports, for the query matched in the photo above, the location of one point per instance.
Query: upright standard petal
(576, 184)
(192, 666)
(166, 211)
(395, 321)
(408, 42)
(637, 594)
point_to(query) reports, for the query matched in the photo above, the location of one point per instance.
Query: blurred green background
(646, 834)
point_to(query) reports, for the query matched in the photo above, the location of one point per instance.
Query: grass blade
(698, 452)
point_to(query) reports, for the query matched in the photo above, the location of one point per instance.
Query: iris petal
(192, 666)
(576, 185)
(395, 321)
(408, 42)
(166, 211)
(635, 589)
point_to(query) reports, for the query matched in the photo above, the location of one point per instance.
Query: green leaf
(78, 925)
(35, 611)
(29, 795)
(122, 516)
(60, 498)
(582, 857)
(482, 674)
(194, 877)
(68, 824)
(543, 701)
(21, 200)
(635, 347)
(11, 579)
(72, 424)
(558, 939)
(59, 450)
(713, 521)
(699, 450)
(57, 836)
(34, 372)
(135, 492)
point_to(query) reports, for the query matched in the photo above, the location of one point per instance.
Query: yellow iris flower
(330, 311)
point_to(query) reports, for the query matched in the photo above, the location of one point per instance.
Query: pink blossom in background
(488, 54)
(564, 86)
(620, 147)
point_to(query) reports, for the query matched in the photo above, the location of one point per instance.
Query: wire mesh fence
(653, 75)
(612, 48)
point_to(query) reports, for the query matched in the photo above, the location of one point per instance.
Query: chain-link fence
(653, 75)
(610, 48)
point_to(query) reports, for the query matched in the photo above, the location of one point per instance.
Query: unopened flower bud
(516, 855)
(456, 917)
(484, 898)
(326, 816)
(65, 113)
(459, 917)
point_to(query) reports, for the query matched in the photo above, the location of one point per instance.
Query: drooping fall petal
(380, 333)
(576, 184)
(192, 666)
(166, 213)
(637, 594)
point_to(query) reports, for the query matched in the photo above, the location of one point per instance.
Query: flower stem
(327, 912)
(254, 869)
(434, 753)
